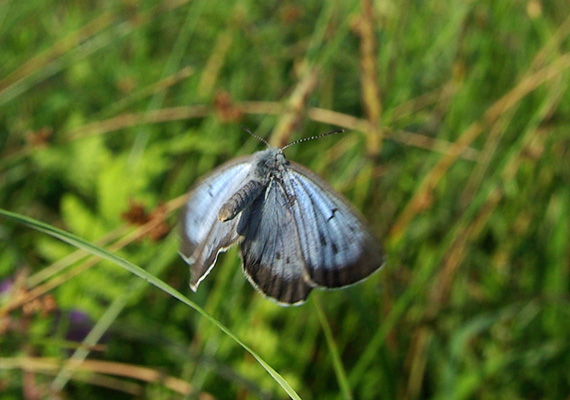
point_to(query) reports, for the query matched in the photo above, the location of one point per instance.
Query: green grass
(457, 153)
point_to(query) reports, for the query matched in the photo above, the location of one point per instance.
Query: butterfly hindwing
(338, 248)
(203, 235)
(272, 257)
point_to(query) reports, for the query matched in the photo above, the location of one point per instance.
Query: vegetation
(457, 151)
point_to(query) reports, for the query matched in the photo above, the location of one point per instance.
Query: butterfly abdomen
(241, 199)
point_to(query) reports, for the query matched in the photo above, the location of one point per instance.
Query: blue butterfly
(295, 232)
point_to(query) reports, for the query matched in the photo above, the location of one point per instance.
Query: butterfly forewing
(271, 252)
(203, 235)
(338, 247)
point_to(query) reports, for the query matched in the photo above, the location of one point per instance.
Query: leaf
(79, 219)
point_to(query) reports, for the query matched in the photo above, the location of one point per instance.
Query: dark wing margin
(203, 235)
(272, 257)
(338, 247)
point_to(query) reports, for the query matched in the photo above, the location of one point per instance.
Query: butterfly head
(270, 161)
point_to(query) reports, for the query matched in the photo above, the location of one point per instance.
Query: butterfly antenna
(313, 137)
(245, 128)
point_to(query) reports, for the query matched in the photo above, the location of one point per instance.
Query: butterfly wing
(338, 247)
(271, 252)
(203, 235)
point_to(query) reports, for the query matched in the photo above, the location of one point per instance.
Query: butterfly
(294, 231)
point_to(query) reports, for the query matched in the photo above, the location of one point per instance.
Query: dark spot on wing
(209, 191)
(292, 200)
(322, 238)
(278, 256)
(332, 215)
(334, 248)
(287, 260)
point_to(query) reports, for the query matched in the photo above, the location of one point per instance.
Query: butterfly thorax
(267, 165)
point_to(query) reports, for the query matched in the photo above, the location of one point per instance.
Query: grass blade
(138, 271)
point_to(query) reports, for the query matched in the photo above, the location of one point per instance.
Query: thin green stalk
(141, 273)
(337, 362)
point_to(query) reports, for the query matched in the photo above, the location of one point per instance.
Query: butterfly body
(294, 231)
(266, 165)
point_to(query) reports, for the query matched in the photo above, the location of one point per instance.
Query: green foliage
(110, 108)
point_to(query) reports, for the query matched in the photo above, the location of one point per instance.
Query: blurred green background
(457, 153)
